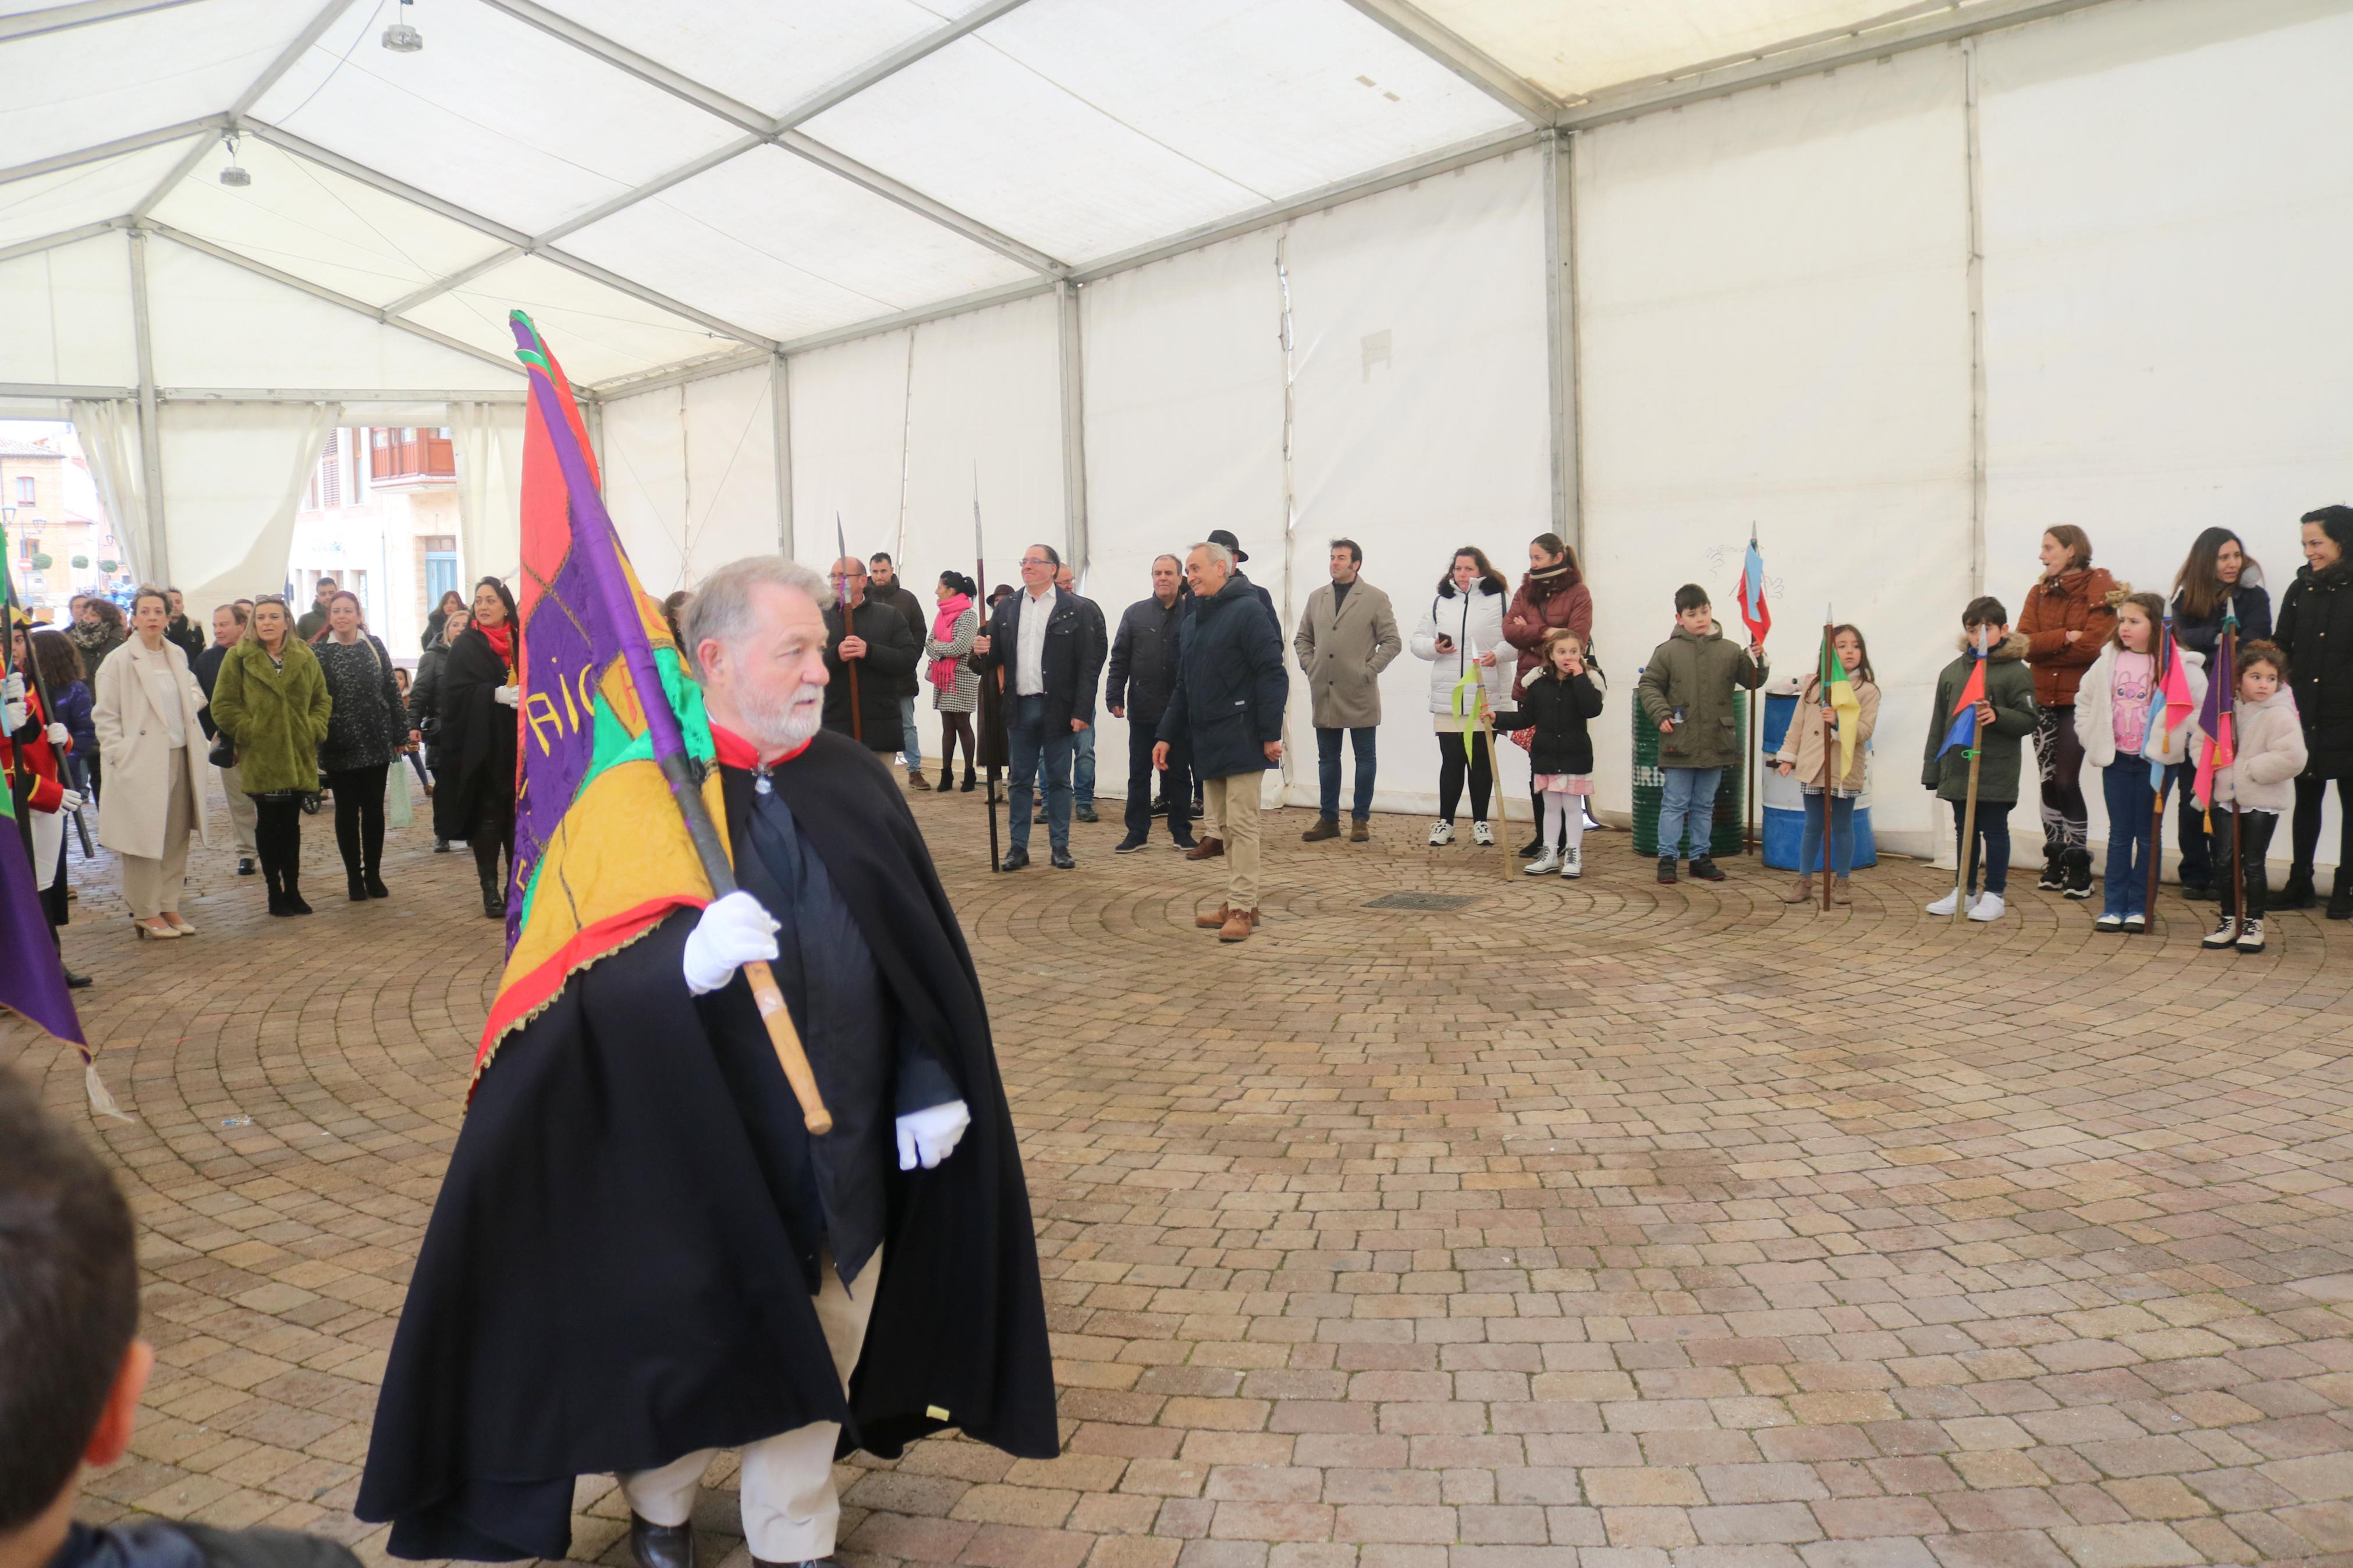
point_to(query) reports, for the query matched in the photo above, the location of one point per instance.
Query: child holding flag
(2257, 783)
(1985, 701)
(1840, 691)
(1686, 691)
(1557, 703)
(2133, 713)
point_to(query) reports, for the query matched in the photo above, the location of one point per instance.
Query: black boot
(2054, 873)
(356, 884)
(2077, 864)
(966, 788)
(2295, 893)
(277, 891)
(494, 898)
(2340, 897)
(292, 880)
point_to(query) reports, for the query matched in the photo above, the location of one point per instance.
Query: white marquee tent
(1898, 287)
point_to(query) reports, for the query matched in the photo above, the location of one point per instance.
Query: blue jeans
(1993, 833)
(2131, 805)
(911, 739)
(1689, 799)
(1841, 825)
(1327, 770)
(1027, 739)
(1082, 771)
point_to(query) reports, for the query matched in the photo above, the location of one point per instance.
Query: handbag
(400, 808)
(223, 752)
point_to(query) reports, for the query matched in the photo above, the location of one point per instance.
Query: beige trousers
(790, 1506)
(151, 888)
(1232, 803)
(242, 813)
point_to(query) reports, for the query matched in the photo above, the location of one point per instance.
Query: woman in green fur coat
(270, 700)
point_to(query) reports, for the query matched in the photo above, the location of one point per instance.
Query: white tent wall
(66, 320)
(691, 476)
(2165, 292)
(1421, 422)
(488, 441)
(234, 475)
(849, 410)
(1184, 428)
(1774, 327)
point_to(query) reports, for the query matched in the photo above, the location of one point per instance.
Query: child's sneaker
(2250, 934)
(2225, 931)
(2136, 925)
(1705, 871)
(1544, 864)
(2109, 925)
(2077, 864)
(1666, 871)
(1572, 861)
(1945, 905)
(1988, 907)
(1482, 835)
(1441, 834)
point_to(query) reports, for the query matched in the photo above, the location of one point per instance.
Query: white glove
(510, 695)
(59, 735)
(733, 931)
(70, 800)
(930, 1135)
(13, 712)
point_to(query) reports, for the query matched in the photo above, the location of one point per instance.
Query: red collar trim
(733, 751)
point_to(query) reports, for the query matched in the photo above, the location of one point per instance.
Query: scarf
(501, 641)
(1544, 585)
(942, 671)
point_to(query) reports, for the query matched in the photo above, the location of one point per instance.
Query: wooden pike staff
(849, 629)
(1830, 725)
(2156, 789)
(1495, 768)
(1969, 807)
(984, 711)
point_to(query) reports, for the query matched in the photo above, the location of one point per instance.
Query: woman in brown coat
(2068, 617)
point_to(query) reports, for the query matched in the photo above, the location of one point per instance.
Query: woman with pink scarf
(955, 685)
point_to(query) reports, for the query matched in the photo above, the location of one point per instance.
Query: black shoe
(661, 1545)
(1666, 871)
(805, 1563)
(2078, 866)
(1533, 847)
(1015, 859)
(1705, 871)
(440, 847)
(966, 788)
(1061, 861)
(357, 885)
(494, 899)
(1038, 820)
(1184, 843)
(75, 981)
(295, 904)
(2340, 901)
(245, 866)
(1087, 813)
(375, 888)
(2295, 893)
(2055, 875)
(1129, 845)
(1159, 808)
(2201, 892)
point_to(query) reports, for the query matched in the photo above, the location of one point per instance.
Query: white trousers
(790, 1506)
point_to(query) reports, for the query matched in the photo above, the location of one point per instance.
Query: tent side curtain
(234, 476)
(488, 440)
(691, 476)
(108, 431)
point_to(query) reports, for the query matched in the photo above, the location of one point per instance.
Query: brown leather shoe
(1211, 922)
(1360, 832)
(1239, 924)
(915, 779)
(1325, 828)
(1839, 893)
(1208, 849)
(1803, 893)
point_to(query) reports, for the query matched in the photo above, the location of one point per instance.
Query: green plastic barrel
(1650, 786)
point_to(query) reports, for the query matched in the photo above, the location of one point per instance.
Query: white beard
(784, 726)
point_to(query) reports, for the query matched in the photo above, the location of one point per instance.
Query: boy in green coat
(2005, 718)
(1687, 692)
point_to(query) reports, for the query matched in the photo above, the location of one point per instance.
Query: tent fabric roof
(663, 186)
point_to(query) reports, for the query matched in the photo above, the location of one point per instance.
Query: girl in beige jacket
(1803, 756)
(2258, 785)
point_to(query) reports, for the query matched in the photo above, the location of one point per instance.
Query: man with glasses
(873, 636)
(1040, 638)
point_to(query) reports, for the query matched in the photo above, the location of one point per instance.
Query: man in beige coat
(1345, 640)
(144, 707)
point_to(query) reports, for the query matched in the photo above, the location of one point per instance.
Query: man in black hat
(1225, 536)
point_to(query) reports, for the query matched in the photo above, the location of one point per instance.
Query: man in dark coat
(1040, 638)
(884, 586)
(1227, 709)
(1136, 686)
(875, 637)
(641, 1255)
(1083, 747)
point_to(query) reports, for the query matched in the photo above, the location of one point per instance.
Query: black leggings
(359, 817)
(493, 830)
(2059, 751)
(278, 839)
(1450, 775)
(2255, 828)
(952, 727)
(2305, 836)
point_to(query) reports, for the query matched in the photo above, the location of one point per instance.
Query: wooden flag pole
(1748, 803)
(1495, 767)
(1969, 807)
(2156, 789)
(983, 712)
(1830, 772)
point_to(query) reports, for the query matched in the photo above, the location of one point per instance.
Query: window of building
(440, 574)
(24, 489)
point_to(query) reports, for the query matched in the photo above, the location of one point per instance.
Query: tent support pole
(780, 404)
(1560, 340)
(151, 431)
(1074, 429)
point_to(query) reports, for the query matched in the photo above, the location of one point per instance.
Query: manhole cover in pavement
(1433, 902)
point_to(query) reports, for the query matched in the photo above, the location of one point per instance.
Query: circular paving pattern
(1590, 1224)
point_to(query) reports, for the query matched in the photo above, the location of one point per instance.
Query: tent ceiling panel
(321, 226)
(216, 324)
(600, 331)
(775, 243)
(68, 198)
(78, 330)
(114, 78)
(494, 115)
(767, 54)
(1082, 129)
(1573, 48)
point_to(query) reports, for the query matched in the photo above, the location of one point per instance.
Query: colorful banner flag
(32, 975)
(601, 852)
(1755, 613)
(2170, 709)
(1964, 732)
(2218, 718)
(1838, 693)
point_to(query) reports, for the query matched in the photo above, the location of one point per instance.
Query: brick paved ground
(1594, 1226)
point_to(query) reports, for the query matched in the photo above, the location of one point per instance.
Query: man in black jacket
(1228, 707)
(1082, 749)
(1142, 675)
(882, 586)
(1040, 638)
(875, 637)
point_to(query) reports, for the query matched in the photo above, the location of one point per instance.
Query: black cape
(475, 745)
(607, 1282)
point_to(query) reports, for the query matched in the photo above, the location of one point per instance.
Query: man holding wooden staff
(643, 1255)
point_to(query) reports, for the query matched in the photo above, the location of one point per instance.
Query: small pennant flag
(1964, 732)
(1755, 613)
(2171, 707)
(2219, 747)
(1838, 693)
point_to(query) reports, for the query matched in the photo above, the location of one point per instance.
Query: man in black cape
(641, 1255)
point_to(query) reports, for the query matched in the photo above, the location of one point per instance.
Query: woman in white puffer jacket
(1460, 633)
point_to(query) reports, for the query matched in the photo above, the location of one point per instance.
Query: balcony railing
(426, 456)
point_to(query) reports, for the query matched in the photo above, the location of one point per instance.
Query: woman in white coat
(144, 707)
(1460, 633)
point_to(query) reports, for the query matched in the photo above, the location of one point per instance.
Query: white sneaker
(1988, 907)
(1943, 906)
(1544, 864)
(1572, 861)
(2225, 931)
(2250, 934)
(1441, 834)
(1482, 833)
(2135, 925)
